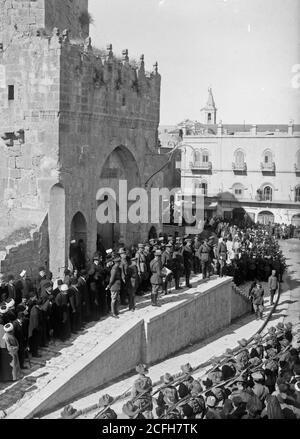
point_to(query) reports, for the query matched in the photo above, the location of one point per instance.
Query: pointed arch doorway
(119, 165)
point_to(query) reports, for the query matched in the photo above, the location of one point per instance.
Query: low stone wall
(189, 322)
(240, 303)
(194, 317)
(106, 362)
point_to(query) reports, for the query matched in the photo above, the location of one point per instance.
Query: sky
(248, 51)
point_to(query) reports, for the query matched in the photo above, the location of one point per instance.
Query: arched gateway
(119, 166)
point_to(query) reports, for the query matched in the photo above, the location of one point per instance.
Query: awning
(212, 206)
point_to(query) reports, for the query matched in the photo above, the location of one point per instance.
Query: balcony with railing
(268, 167)
(201, 166)
(239, 167)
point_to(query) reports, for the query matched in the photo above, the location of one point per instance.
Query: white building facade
(257, 173)
(243, 170)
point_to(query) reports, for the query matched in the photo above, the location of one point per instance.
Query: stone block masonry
(69, 112)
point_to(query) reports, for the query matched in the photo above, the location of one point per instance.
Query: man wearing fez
(115, 286)
(24, 286)
(12, 346)
(156, 278)
(3, 289)
(187, 254)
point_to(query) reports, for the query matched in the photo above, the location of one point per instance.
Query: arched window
(238, 190)
(205, 156)
(267, 158)
(204, 187)
(239, 158)
(267, 193)
(297, 194)
(209, 117)
(197, 156)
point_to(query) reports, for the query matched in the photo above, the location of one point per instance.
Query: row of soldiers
(259, 380)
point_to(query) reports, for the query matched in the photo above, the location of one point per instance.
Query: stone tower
(210, 110)
(26, 16)
(73, 119)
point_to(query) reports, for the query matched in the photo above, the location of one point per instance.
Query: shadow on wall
(28, 250)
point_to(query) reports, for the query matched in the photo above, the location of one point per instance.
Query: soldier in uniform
(185, 386)
(177, 264)
(115, 286)
(166, 261)
(242, 359)
(187, 254)
(168, 395)
(257, 295)
(141, 391)
(133, 284)
(273, 285)
(107, 413)
(197, 264)
(141, 264)
(204, 252)
(125, 276)
(222, 255)
(156, 278)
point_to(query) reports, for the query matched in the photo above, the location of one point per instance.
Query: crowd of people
(260, 380)
(34, 311)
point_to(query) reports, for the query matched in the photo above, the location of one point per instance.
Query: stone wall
(240, 303)
(197, 317)
(77, 118)
(193, 320)
(28, 16)
(28, 144)
(27, 255)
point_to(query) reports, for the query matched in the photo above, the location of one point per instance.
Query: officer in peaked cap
(188, 259)
(167, 259)
(157, 277)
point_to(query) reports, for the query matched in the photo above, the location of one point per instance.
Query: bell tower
(210, 110)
